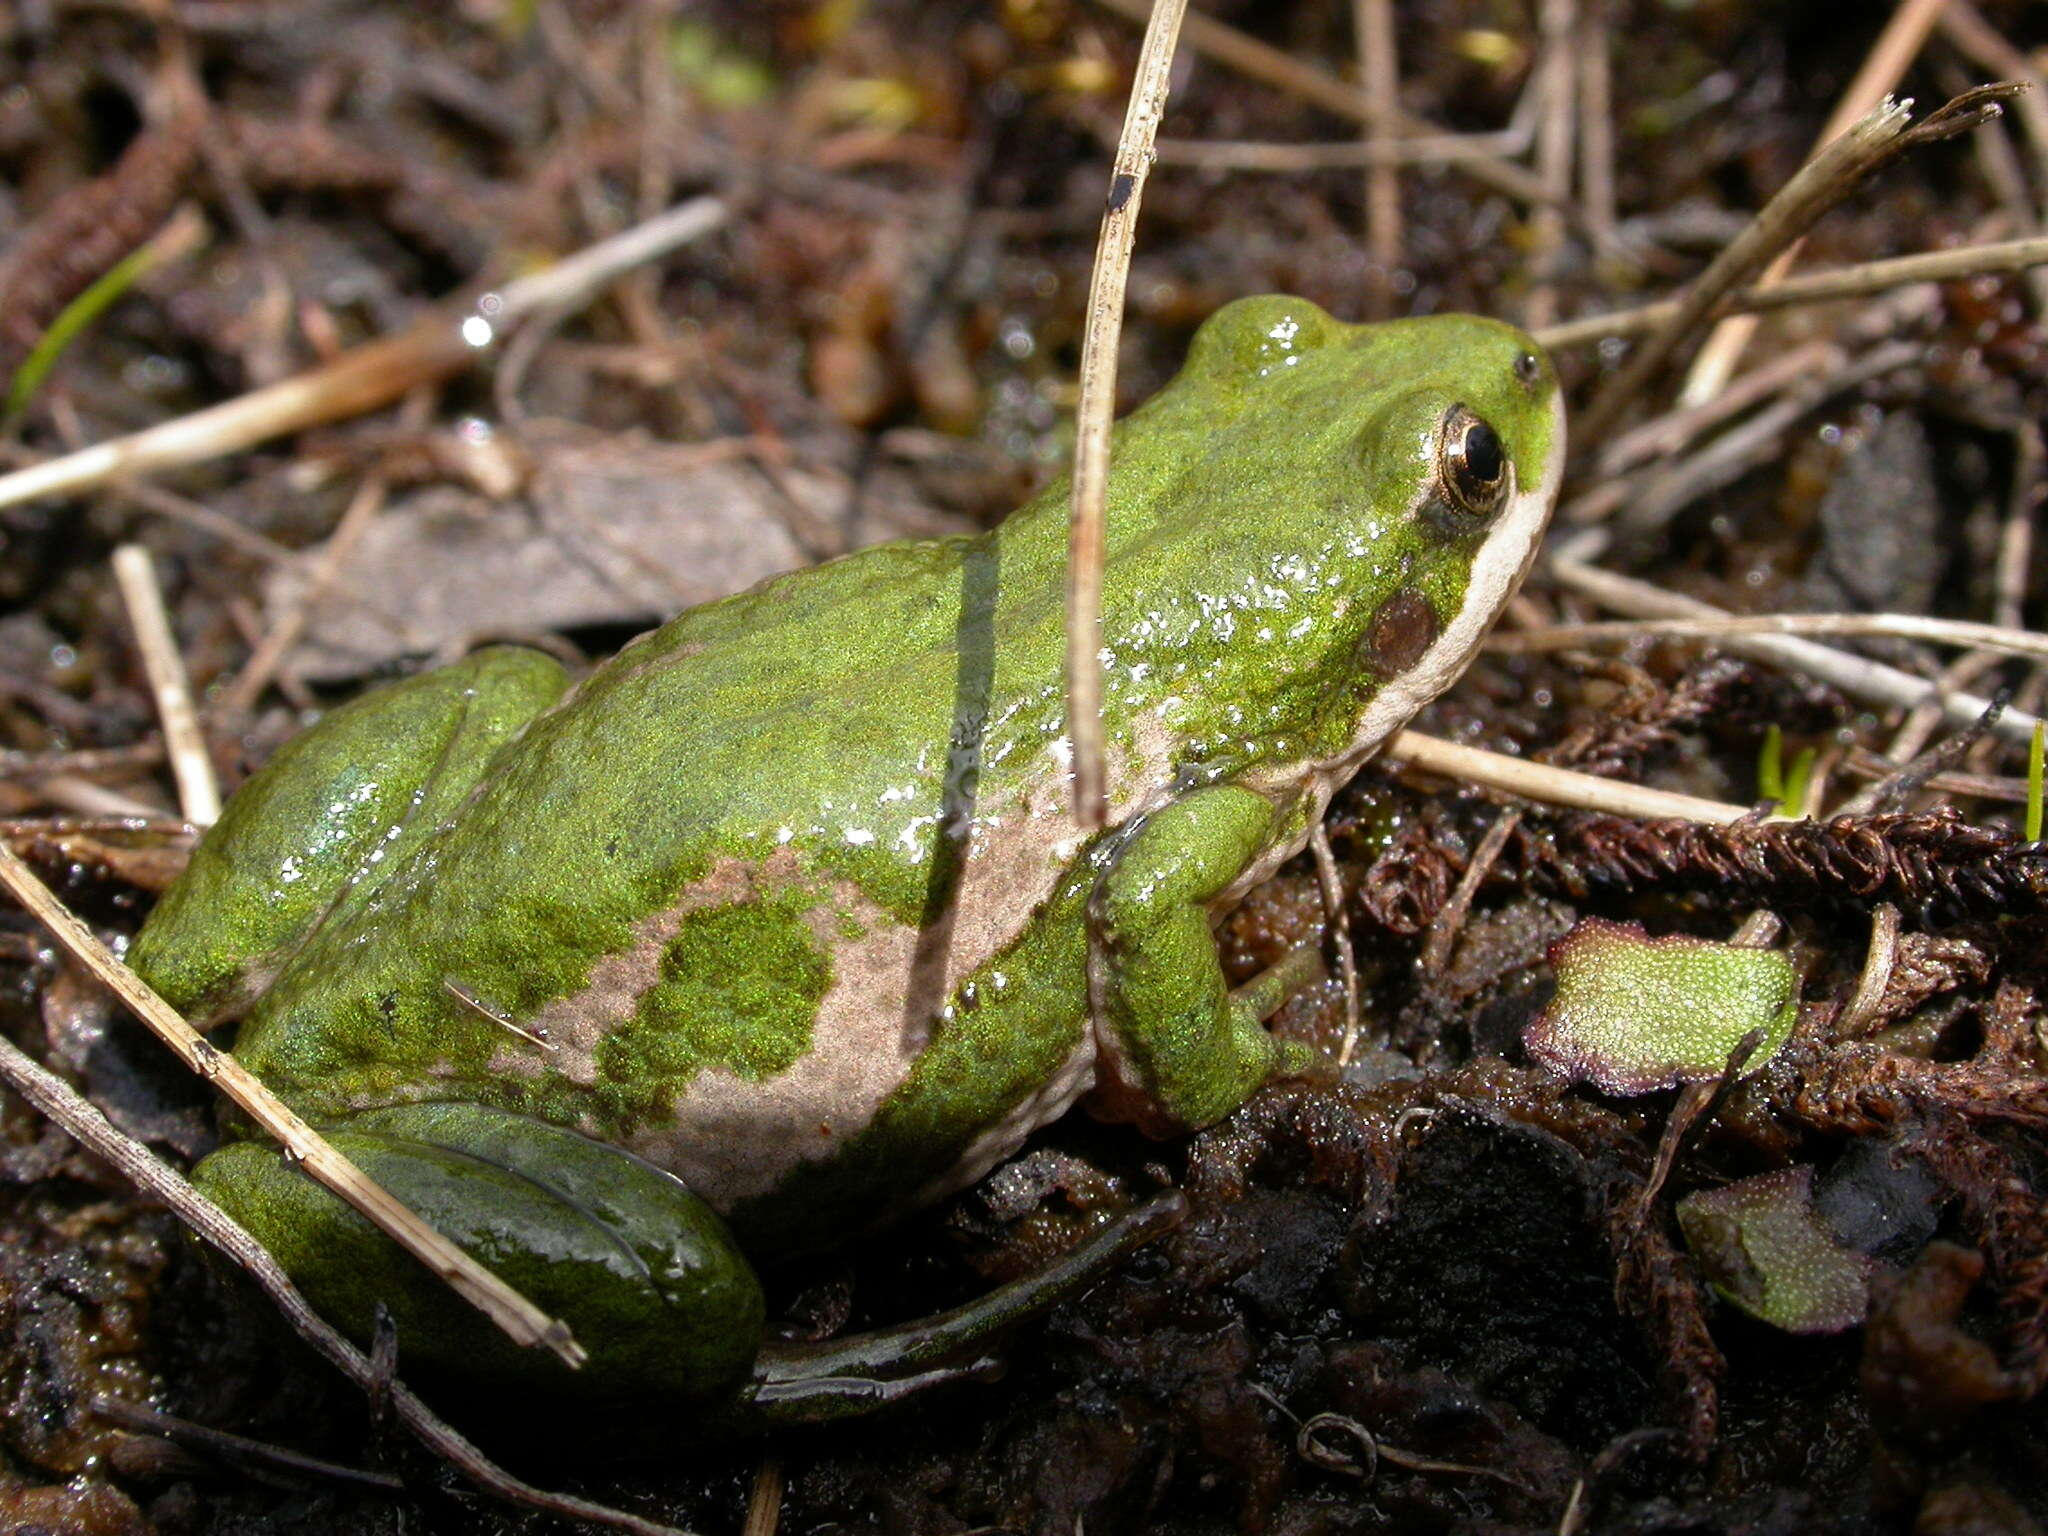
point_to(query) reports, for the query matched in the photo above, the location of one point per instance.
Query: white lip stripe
(1503, 560)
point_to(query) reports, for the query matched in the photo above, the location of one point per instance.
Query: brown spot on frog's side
(1400, 632)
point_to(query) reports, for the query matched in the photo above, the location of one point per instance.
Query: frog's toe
(838, 1378)
(643, 1272)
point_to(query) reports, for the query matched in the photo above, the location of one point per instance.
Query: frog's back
(708, 882)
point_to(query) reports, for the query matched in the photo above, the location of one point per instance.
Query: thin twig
(1978, 41)
(1098, 405)
(68, 792)
(1331, 880)
(222, 1445)
(191, 763)
(1293, 159)
(1379, 70)
(1888, 626)
(1557, 22)
(357, 519)
(1857, 676)
(2016, 536)
(1554, 786)
(1596, 121)
(1845, 283)
(1817, 186)
(1641, 505)
(764, 1499)
(519, 1318)
(1882, 69)
(366, 377)
(1669, 434)
(1449, 922)
(57, 1101)
(1259, 61)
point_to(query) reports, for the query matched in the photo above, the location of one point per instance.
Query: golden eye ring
(1472, 463)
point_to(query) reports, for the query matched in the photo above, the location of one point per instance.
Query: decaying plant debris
(1446, 1292)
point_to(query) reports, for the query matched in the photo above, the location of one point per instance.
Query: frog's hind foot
(643, 1272)
(839, 1378)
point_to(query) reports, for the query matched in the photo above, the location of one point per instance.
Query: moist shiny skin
(782, 907)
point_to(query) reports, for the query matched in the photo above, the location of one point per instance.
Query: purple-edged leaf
(1765, 1248)
(1633, 1014)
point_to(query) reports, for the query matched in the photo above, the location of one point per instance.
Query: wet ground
(1448, 1292)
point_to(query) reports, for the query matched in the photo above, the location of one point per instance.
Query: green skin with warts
(777, 924)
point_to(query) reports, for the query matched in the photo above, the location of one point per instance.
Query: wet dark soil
(1441, 1291)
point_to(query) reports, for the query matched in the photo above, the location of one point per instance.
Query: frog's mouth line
(1497, 570)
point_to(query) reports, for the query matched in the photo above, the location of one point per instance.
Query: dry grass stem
(1671, 433)
(1097, 407)
(364, 378)
(1554, 786)
(360, 380)
(1882, 69)
(240, 696)
(1816, 187)
(1330, 880)
(1858, 676)
(764, 1499)
(1858, 281)
(1639, 506)
(1596, 122)
(1292, 159)
(82, 797)
(62, 1105)
(1379, 70)
(191, 763)
(1966, 30)
(519, 1318)
(1557, 24)
(1865, 1009)
(1343, 154)
(1893, 626)
(1269, 65)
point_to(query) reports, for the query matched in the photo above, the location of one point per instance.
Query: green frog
(778, 924)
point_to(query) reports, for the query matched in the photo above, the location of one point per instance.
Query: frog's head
(1314, 526)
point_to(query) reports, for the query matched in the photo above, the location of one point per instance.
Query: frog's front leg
(643, 1272)
(1178, 1050)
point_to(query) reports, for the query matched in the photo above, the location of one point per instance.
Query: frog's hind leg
(348, 796)
(642, 1271)
(840, 1378)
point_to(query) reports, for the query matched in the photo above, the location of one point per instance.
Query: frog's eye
(1472, 462)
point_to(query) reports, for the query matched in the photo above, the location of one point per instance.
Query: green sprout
(1775, 782)
(2034, 755)
(180, 237)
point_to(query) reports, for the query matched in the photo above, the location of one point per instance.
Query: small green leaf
(1633, 1014)
(719, 73)
(1765, 1247)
